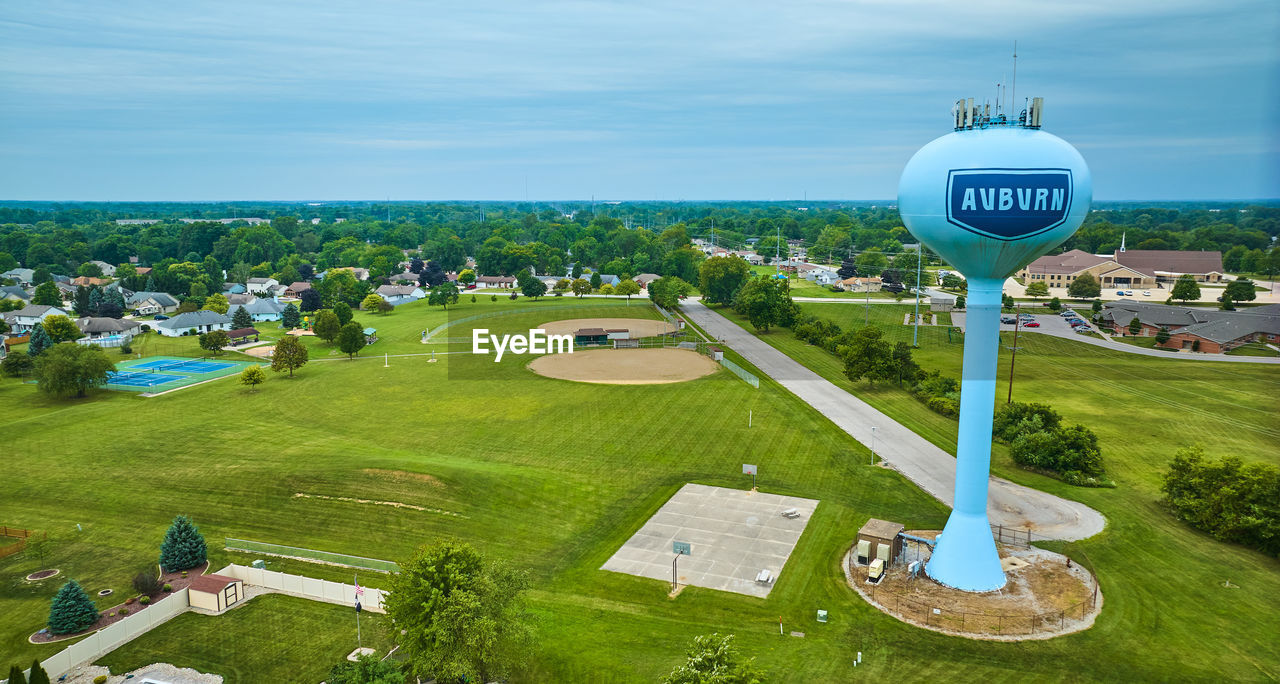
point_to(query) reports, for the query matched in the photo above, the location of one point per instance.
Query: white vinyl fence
(307, 587)
(115, 635)
(102, 642)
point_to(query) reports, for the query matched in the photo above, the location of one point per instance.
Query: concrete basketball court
(734, 533)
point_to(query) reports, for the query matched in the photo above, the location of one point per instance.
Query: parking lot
(1050, 323)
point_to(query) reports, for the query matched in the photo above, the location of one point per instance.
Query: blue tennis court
(140, 379)
(185, 366)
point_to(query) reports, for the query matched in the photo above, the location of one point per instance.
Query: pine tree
(242, 318)
(16, 676)
(291, 318)
(95, 301)
(183, 546)
(151, 284)
(38, 675)
(71, 610)
(40, 341)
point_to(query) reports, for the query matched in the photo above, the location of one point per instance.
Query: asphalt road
(931, 468)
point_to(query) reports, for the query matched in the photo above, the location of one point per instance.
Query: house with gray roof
(193, 322)
(151, 303)
(260, 309)
(23, 320)
(97, 327)
(21, 276)
(396, 295)
(15, 293)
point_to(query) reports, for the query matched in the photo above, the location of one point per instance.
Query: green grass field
(1163, 581)
(555, 475)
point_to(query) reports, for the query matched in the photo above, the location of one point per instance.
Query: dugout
(590, 336)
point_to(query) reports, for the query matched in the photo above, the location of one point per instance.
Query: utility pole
(915, 330)
(1014, 356)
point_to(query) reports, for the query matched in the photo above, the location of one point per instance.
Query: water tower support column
(965, 556)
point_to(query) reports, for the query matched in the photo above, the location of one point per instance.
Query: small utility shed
(215, 592)
(882, 540)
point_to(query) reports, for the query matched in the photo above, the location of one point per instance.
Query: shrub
(146, 583)
(1009, 420)
(1230, 500)
(943, 405)
(123, 611)
(126, 349)
(100, 679)
(169, 587)
(144, 600)
(1071, 453)
(493, 298)
(146, 328)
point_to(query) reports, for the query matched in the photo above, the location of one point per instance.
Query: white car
(1146, 293)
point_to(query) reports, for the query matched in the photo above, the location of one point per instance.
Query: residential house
(23, 320)
(67, 291)
(491, 282)
(606, 279)
(406, 277)
(151, 303)
(201, 321)
(87, 281)
(242, 298)
(399, 294)
(644, 279)
(233, 288)
(822, 275)
(107, 269)
(20, 276)
(295, 290)
(261, 309)
(261, 286)
(15, 293)
(96, 328)
(862, 284)
(142, 270)
(750, 257)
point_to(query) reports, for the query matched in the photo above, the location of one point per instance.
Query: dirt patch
(403, 476)
(263, 352)
(625, 366)
(393, 504)
(1046, 596)
(638, 327)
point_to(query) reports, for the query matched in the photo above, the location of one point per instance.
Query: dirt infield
(639, 327)
(625, 366)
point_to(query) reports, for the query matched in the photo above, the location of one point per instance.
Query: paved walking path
(933, 469)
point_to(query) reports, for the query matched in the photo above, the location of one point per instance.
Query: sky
(707, 100)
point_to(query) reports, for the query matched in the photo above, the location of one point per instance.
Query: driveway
(931, 468)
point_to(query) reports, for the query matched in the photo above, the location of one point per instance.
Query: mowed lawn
(554, 476)
(1163, 582)
(550, 474)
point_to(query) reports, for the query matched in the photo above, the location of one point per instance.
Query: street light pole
(873, 445)
(915, 330)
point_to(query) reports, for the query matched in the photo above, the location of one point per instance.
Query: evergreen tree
(40, 341)
(151, 284)
(243, 319)
(71, 610)
(37, 676)
(183, 547)
(291, 318)
(82, 300)
(16, 676)
(95, 301)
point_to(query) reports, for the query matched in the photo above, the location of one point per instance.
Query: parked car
(1008, 320)
(1031, 324)
(1146, 293)
(1067, 314)
(1121, 293)
(161, 317)
(1082, 329)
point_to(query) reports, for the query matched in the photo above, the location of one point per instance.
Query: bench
(791, 513)
(764, 577)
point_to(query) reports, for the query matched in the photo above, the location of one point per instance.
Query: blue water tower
(989, 198)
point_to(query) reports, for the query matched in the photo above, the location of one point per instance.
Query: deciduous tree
(1085, 286)
(1185, 288)
(252, 376)
(371, 303)
(720, 279)
(1038, 289)
(1240, 290)
(290, 354)
(213, 341)
(217, 302)
(712, 659)
(351, 339)
(344, 313)
(580, 286)
(444, 294)
(460, 617)
(327, 326)
(47, 294)
(60, 328)
(627, 288)
(72, 369)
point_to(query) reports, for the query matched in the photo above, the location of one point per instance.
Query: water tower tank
(989, 197)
